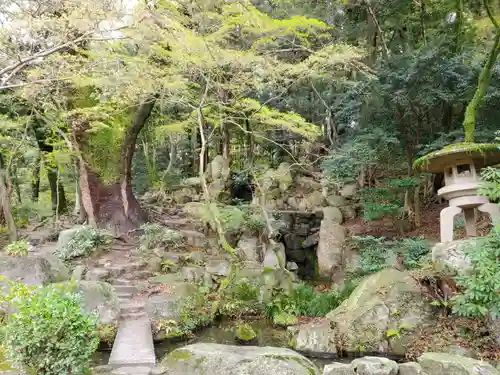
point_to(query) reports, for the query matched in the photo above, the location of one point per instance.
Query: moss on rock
(485, 153)
(245, 333)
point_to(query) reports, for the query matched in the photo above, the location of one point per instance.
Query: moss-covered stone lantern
(461, 164)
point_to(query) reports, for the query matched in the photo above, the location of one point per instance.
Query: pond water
(223, 333)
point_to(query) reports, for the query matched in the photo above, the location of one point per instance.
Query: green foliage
(28, 211)
(360, 153)
(17, 248)
(157, 236)
(304, 301)
(168, 266)
(385, 201)
(490, 187)
(84, 242)
(284, 319)
(49, 332)
(480, 296)
(413, 250)
(375, 252)
(238, 296)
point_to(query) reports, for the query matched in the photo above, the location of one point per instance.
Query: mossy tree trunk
(5, 205)
(469, 123)
(112, 206)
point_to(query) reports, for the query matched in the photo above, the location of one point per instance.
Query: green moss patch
(474, 150)
(245, 333)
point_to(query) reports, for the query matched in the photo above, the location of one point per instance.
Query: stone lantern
(461, 165)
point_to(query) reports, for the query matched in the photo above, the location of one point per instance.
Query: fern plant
(480, 296)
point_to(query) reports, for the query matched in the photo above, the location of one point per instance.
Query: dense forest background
(103, 101)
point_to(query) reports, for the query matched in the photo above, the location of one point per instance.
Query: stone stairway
(133, 350)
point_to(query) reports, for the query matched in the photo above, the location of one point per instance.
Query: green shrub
(84, 242)
(375, 251)
(156, 236)
(29, 211)
(17, 248)
(49, 332)
(414, 250)
(480, 296)
(304, 301)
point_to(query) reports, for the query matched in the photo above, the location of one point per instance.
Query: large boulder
(198, 359)
(332, 237)
(374, 366)
(101, 298)
(314, 337)
(32, 269)
(382, 314)
(410, 368)
(249, 248)
(452, 254)
(274, 256)
(447, 364)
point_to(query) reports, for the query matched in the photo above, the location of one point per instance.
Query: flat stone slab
(133, 344)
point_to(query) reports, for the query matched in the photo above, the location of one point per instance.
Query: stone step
(138, 275)
(132, 307)
(132, 289)
(134, 370)
(133, 345)
(124, 295)
(134, 315)
(122, 282)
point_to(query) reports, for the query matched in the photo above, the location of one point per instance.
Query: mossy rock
(284, 320)
(233, 360)
(245, 334)
(388, 303)
(483, 154)
(447, 364)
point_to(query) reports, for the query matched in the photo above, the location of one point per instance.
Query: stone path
(133, 349)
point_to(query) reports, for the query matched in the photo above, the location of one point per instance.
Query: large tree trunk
(5, 205)
(59, 204)
(35, 183)
(114, 206)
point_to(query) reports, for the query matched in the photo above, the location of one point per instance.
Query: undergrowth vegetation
(49, 333)
(377, 253)
(83, 243)
(156, 236)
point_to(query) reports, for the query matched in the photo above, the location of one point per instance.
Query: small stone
(78, 273)
(336, 201)
(292, 266)
(410, 368)
(274, 256)
(218, 267)
(338, 369)
(349, 190)
(312, 240)
(97, 274)
(333, 214)
(375, 366)
(193, 274)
